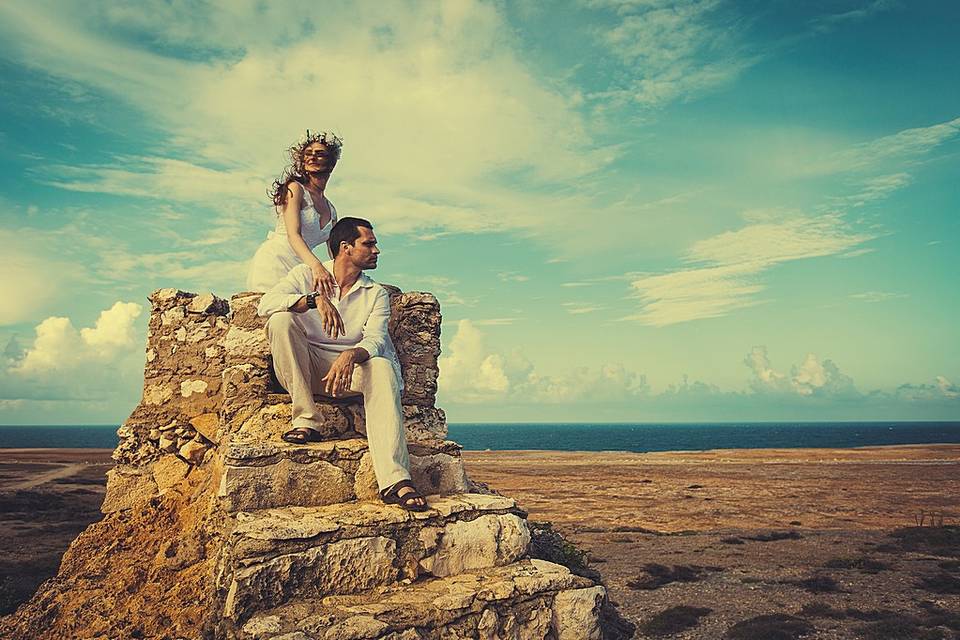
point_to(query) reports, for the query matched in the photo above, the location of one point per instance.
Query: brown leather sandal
(302, 435)
(407, 501)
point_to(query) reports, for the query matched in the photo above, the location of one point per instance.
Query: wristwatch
(312, 300)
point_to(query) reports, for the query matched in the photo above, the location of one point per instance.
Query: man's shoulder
(375, 287)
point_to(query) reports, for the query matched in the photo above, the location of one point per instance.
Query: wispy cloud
(421, 91)
(727, 268)
(578, 308)
(877, 296)
(831, 21)
(674, 50)
(902, 148)
(512, 276)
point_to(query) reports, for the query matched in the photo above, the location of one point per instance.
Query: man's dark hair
(346, 230)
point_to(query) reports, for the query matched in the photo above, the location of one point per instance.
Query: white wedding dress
(275, 257)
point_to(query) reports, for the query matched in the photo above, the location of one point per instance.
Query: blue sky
(641, 210)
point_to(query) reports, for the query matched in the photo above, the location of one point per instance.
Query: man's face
(364, 251)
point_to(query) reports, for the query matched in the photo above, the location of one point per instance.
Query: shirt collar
(363, 280)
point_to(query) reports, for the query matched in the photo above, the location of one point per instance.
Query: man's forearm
(300, 305)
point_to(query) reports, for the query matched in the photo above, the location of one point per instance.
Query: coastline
(741, 532)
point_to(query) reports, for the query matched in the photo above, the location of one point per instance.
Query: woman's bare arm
(323, 280)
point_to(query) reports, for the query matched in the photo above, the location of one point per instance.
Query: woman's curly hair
(295, 171)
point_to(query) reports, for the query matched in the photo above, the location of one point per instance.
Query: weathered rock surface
(216, 528)
(520, 601)
(279, 554)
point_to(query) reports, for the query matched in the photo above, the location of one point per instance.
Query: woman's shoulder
(295, 188)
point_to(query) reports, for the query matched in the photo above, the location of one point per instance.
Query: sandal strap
(393, 491)
(301, 434)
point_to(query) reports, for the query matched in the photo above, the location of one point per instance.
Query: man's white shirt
(365, 311)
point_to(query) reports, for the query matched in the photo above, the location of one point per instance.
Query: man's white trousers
(300, 367)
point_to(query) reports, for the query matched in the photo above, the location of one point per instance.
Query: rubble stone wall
(208, 380)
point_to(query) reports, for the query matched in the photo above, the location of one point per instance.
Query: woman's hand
(329, 317)
(322, 280)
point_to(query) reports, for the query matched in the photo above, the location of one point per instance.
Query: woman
(304, 216)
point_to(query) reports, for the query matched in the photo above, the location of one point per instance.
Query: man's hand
(329, 317)
(337, 381)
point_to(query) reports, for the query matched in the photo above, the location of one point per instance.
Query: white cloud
(434, 101)
(765, 377)
(59, 346)
(877, 296)
(947, 388)
(812, 377)
(673, 50)
(901, 148)
(512, 276)
(831, 21)
(941, 389)
(66, 372)
(579, 308)
(732, 263)
(724, 272)
(472, 373)
(875, 188)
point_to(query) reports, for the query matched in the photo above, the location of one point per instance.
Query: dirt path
(64, 471)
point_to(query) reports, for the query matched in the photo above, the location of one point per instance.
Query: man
(340, 346)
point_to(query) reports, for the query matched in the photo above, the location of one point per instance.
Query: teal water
(592, 437)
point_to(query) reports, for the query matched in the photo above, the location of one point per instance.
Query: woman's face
(316, 158)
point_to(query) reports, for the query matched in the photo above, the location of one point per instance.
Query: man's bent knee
(381, 368)
(280, 322)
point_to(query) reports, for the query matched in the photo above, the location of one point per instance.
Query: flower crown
(332, 141)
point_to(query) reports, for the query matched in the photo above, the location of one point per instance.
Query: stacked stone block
(302, 547)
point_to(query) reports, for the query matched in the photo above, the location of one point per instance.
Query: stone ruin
(216, 528)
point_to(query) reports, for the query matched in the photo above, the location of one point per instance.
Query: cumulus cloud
(89, 364)
(476, 374)
(59, 345)
(941, 389)
(472, 372)
(812, 377)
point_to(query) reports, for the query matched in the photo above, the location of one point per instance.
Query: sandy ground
(690, 544)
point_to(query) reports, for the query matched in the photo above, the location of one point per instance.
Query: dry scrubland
(810, 543)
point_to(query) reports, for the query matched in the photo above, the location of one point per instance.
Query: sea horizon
(637, 437)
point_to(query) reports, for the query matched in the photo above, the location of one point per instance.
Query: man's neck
(345, 273)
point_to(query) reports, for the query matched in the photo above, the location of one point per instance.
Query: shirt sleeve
(375, 330)
(284, 294)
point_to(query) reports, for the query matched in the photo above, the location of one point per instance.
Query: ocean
(591, 437)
